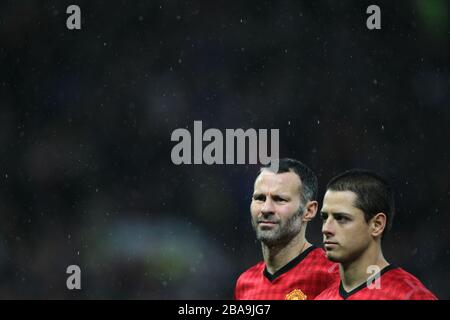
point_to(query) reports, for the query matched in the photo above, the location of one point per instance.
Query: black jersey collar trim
(345, 295)
(291, 264)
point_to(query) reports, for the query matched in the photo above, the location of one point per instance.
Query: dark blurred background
(86, 118)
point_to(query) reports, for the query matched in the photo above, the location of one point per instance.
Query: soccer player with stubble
(293, 269)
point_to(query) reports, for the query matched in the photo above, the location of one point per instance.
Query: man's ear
(310, 210)
(378, 224)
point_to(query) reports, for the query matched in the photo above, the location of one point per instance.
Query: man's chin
(273, 240)
(335, 257)
(332, 256)
(267, 238)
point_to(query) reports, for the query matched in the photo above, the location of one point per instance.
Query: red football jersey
(394, 284)
(303, 278)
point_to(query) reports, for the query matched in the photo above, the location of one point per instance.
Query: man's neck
(276, 257)
(357, 272)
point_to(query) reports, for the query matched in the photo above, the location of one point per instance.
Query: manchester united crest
(296, 294)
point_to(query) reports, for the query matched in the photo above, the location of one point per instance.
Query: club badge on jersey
(296, 294)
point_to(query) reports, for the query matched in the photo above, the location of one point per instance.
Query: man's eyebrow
(343, 214)
(337, 213)
(280, 195)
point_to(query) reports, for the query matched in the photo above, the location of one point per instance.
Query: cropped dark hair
(306, 175)
(374, 194)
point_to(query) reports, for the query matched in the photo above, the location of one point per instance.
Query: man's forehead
(278, 181)
(339, 201)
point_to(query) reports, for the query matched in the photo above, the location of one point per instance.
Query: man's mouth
(330, 244)
(267, 223)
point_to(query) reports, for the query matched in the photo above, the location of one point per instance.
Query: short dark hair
(306, 175)
(374, 194)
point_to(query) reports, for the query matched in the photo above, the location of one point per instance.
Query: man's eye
(341, 219)
(324, 217)
(258, 198)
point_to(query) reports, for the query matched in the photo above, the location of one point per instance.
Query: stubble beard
(282, 233)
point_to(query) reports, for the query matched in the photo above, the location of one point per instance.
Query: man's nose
(268, 207)
(327, 228)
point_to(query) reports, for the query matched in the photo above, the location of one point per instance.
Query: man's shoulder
(330, 293)
(318, 253)
(317, 257)
(400, 277)
(406, 284)
(253, 271)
